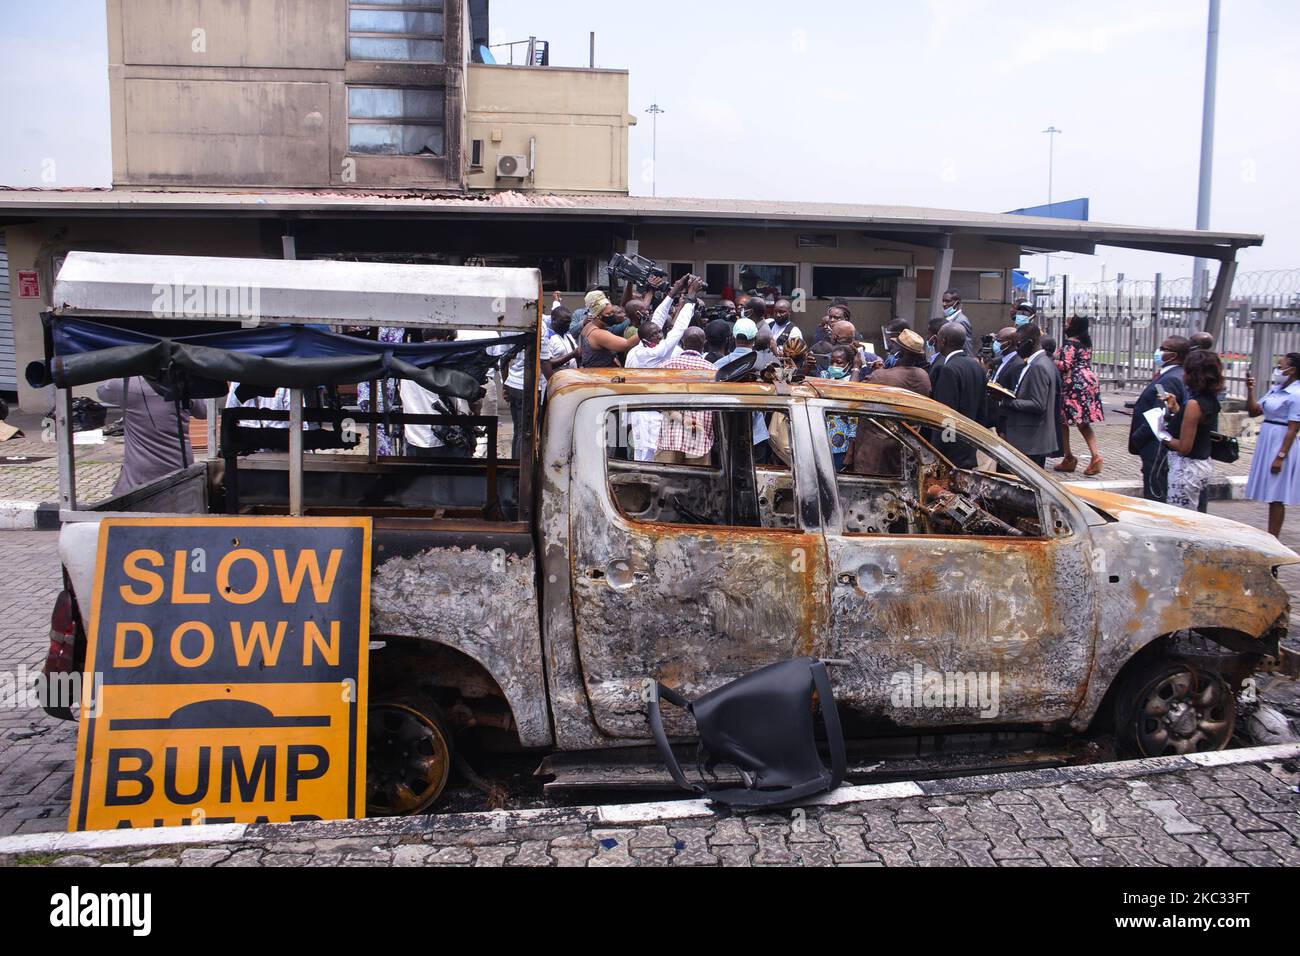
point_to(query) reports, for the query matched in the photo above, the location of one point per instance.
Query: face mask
(950, 311)
(1160, 357)
(1278, 378)
(1021, 320)
(997, 350)
(834, 371)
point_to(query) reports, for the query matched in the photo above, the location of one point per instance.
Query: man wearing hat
(745, 333)
(1023, 313)
(870, 452)
(600, 344)
(909, 368)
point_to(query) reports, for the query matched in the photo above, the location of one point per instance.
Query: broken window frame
(1055, 519)
(801, 489)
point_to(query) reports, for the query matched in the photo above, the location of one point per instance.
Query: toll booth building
(395, 132)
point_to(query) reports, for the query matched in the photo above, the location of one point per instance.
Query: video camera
(639, 271)
(986, 347)
(711, 312)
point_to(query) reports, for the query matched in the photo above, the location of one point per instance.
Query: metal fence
(1130, 318)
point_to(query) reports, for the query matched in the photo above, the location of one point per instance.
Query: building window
(407, 31)
(395, 122)
(973, 285)
(768, 279)
(855, 282)
(718, 276)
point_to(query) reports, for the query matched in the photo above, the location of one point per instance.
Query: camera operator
(782, 326)
(660, 335)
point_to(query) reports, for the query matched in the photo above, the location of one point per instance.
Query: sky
(936, 103)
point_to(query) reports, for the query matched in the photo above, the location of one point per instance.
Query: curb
(1227, 488)
(621, 814)
(17, 515)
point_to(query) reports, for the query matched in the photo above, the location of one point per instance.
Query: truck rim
(409, 759)
(1185, 712)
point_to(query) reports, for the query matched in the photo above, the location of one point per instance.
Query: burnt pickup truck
(533, 599)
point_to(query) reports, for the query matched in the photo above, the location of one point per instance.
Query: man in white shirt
(782, 326)
(434, 441)
(559, 348)
(657, 348)
(279, 402)
(654, 350)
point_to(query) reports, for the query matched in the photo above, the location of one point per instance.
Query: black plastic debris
(763, 725)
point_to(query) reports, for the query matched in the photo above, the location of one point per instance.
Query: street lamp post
(1207, 154)
(654, 111)
(1051, 132)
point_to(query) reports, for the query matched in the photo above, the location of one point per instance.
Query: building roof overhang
(912, 225)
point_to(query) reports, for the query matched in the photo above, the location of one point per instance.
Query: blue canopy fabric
(266, 357)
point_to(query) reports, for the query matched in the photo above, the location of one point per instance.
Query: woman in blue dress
(1274, 472)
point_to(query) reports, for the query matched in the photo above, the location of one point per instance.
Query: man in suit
(935, 354)
(1031, 415)
(960, 382)
(1169, 377)
(1006, 373)
(952, 312)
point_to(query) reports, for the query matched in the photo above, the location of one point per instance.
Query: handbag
(1223, 448)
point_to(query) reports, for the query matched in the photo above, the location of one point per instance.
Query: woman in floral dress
(387, 395)
(1081, 392)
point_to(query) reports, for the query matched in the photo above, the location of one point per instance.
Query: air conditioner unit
(512, 167)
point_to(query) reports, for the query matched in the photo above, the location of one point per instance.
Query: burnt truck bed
(454, 609)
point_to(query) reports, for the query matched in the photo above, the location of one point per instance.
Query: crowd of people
(1031, 390)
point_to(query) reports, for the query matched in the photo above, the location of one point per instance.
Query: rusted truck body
(540, 617)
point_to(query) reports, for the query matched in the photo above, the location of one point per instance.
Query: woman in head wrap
(600, 347)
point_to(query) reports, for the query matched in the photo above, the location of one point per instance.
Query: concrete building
(380, 130)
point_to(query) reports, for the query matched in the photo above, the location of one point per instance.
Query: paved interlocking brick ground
(1240, 815)
(36, 751)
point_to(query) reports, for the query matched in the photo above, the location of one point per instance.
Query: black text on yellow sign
(229, 660)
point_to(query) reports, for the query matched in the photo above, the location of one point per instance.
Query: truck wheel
(408, 756)
(1173, 707)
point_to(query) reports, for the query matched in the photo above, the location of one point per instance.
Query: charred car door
(695, 562)
(959, 596)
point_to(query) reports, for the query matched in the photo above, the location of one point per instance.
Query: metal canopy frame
(301, 291)
(123, 287)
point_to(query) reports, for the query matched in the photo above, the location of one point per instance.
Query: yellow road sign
(226, 672)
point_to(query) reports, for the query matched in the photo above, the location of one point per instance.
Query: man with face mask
(1168, 359)
(1006, 373)
(892, 332)
(952, 313)
(1022, 314)
(782, 326)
